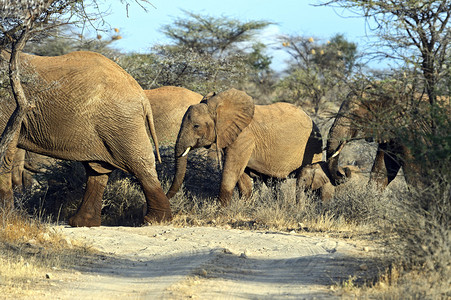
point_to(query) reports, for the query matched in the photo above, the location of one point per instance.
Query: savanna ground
(270, 247)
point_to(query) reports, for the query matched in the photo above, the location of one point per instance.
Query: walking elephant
(366, 117)
(168, 103)
(316, 178)
(87, 109)
(273, 140)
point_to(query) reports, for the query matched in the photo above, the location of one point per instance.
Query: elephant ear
(208, 96)
(319, 179)
(233, 110)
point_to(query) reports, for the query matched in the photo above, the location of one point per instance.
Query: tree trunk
(22, 105)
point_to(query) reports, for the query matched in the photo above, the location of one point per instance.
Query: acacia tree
(317, 70)
(67, 39)
(416, 32)
(205, 53)
(215, 36)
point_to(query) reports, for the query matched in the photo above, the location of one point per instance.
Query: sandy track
(165, 262)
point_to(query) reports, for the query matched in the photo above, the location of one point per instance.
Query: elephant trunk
(332, 164)
(181, 159)
(338, 136)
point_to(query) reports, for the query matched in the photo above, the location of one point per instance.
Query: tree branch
(22, 105)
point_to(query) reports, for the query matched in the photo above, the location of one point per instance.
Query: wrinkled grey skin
(169, 104)
(87, 109)
(272, 140)
(352, 122)
(26, 165)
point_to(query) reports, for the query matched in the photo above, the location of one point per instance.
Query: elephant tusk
(339, 150)
(186, 151)
(335, 154)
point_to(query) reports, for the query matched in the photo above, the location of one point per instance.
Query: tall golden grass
(29, 251)
(416, 241)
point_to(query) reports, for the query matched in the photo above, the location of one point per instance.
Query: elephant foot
(157, 216)
(84, 220)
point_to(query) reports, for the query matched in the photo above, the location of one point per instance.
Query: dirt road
(165, 262)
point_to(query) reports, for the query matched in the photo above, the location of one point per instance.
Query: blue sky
(141, 30)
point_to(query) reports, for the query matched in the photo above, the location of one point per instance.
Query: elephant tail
(151, 124)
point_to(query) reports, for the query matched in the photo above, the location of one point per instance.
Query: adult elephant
(273, 140)
(366, 116)
(87, 109)
(169, 104)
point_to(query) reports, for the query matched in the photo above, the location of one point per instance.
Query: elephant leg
(385, 166)
(89, 213)
(142, 165)
(139, 160)
(245, 186)
(392, 165)
(158, 206)
(378, 171)
(301, 186)
(413, 174)
(236, 158)
(17, 174)
(27, 179)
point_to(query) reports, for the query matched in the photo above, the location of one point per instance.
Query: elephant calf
(273, 140)
(317, 178)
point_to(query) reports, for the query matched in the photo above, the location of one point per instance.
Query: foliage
(65, 39)
(214, 36)
(420, 238)
(179, 66)
(144, 68)
(415, 32)
(317, 71)
(206, 54)
(38, 18)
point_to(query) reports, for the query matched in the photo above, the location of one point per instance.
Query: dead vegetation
(414, 240)
(30, 252)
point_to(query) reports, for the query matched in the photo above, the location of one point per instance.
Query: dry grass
(416, 240)
(272, 210)
(415, 228)
(30, 251)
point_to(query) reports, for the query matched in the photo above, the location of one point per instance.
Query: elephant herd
(88, 109)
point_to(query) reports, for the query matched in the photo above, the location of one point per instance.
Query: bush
(422, 236)
(358, 203)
